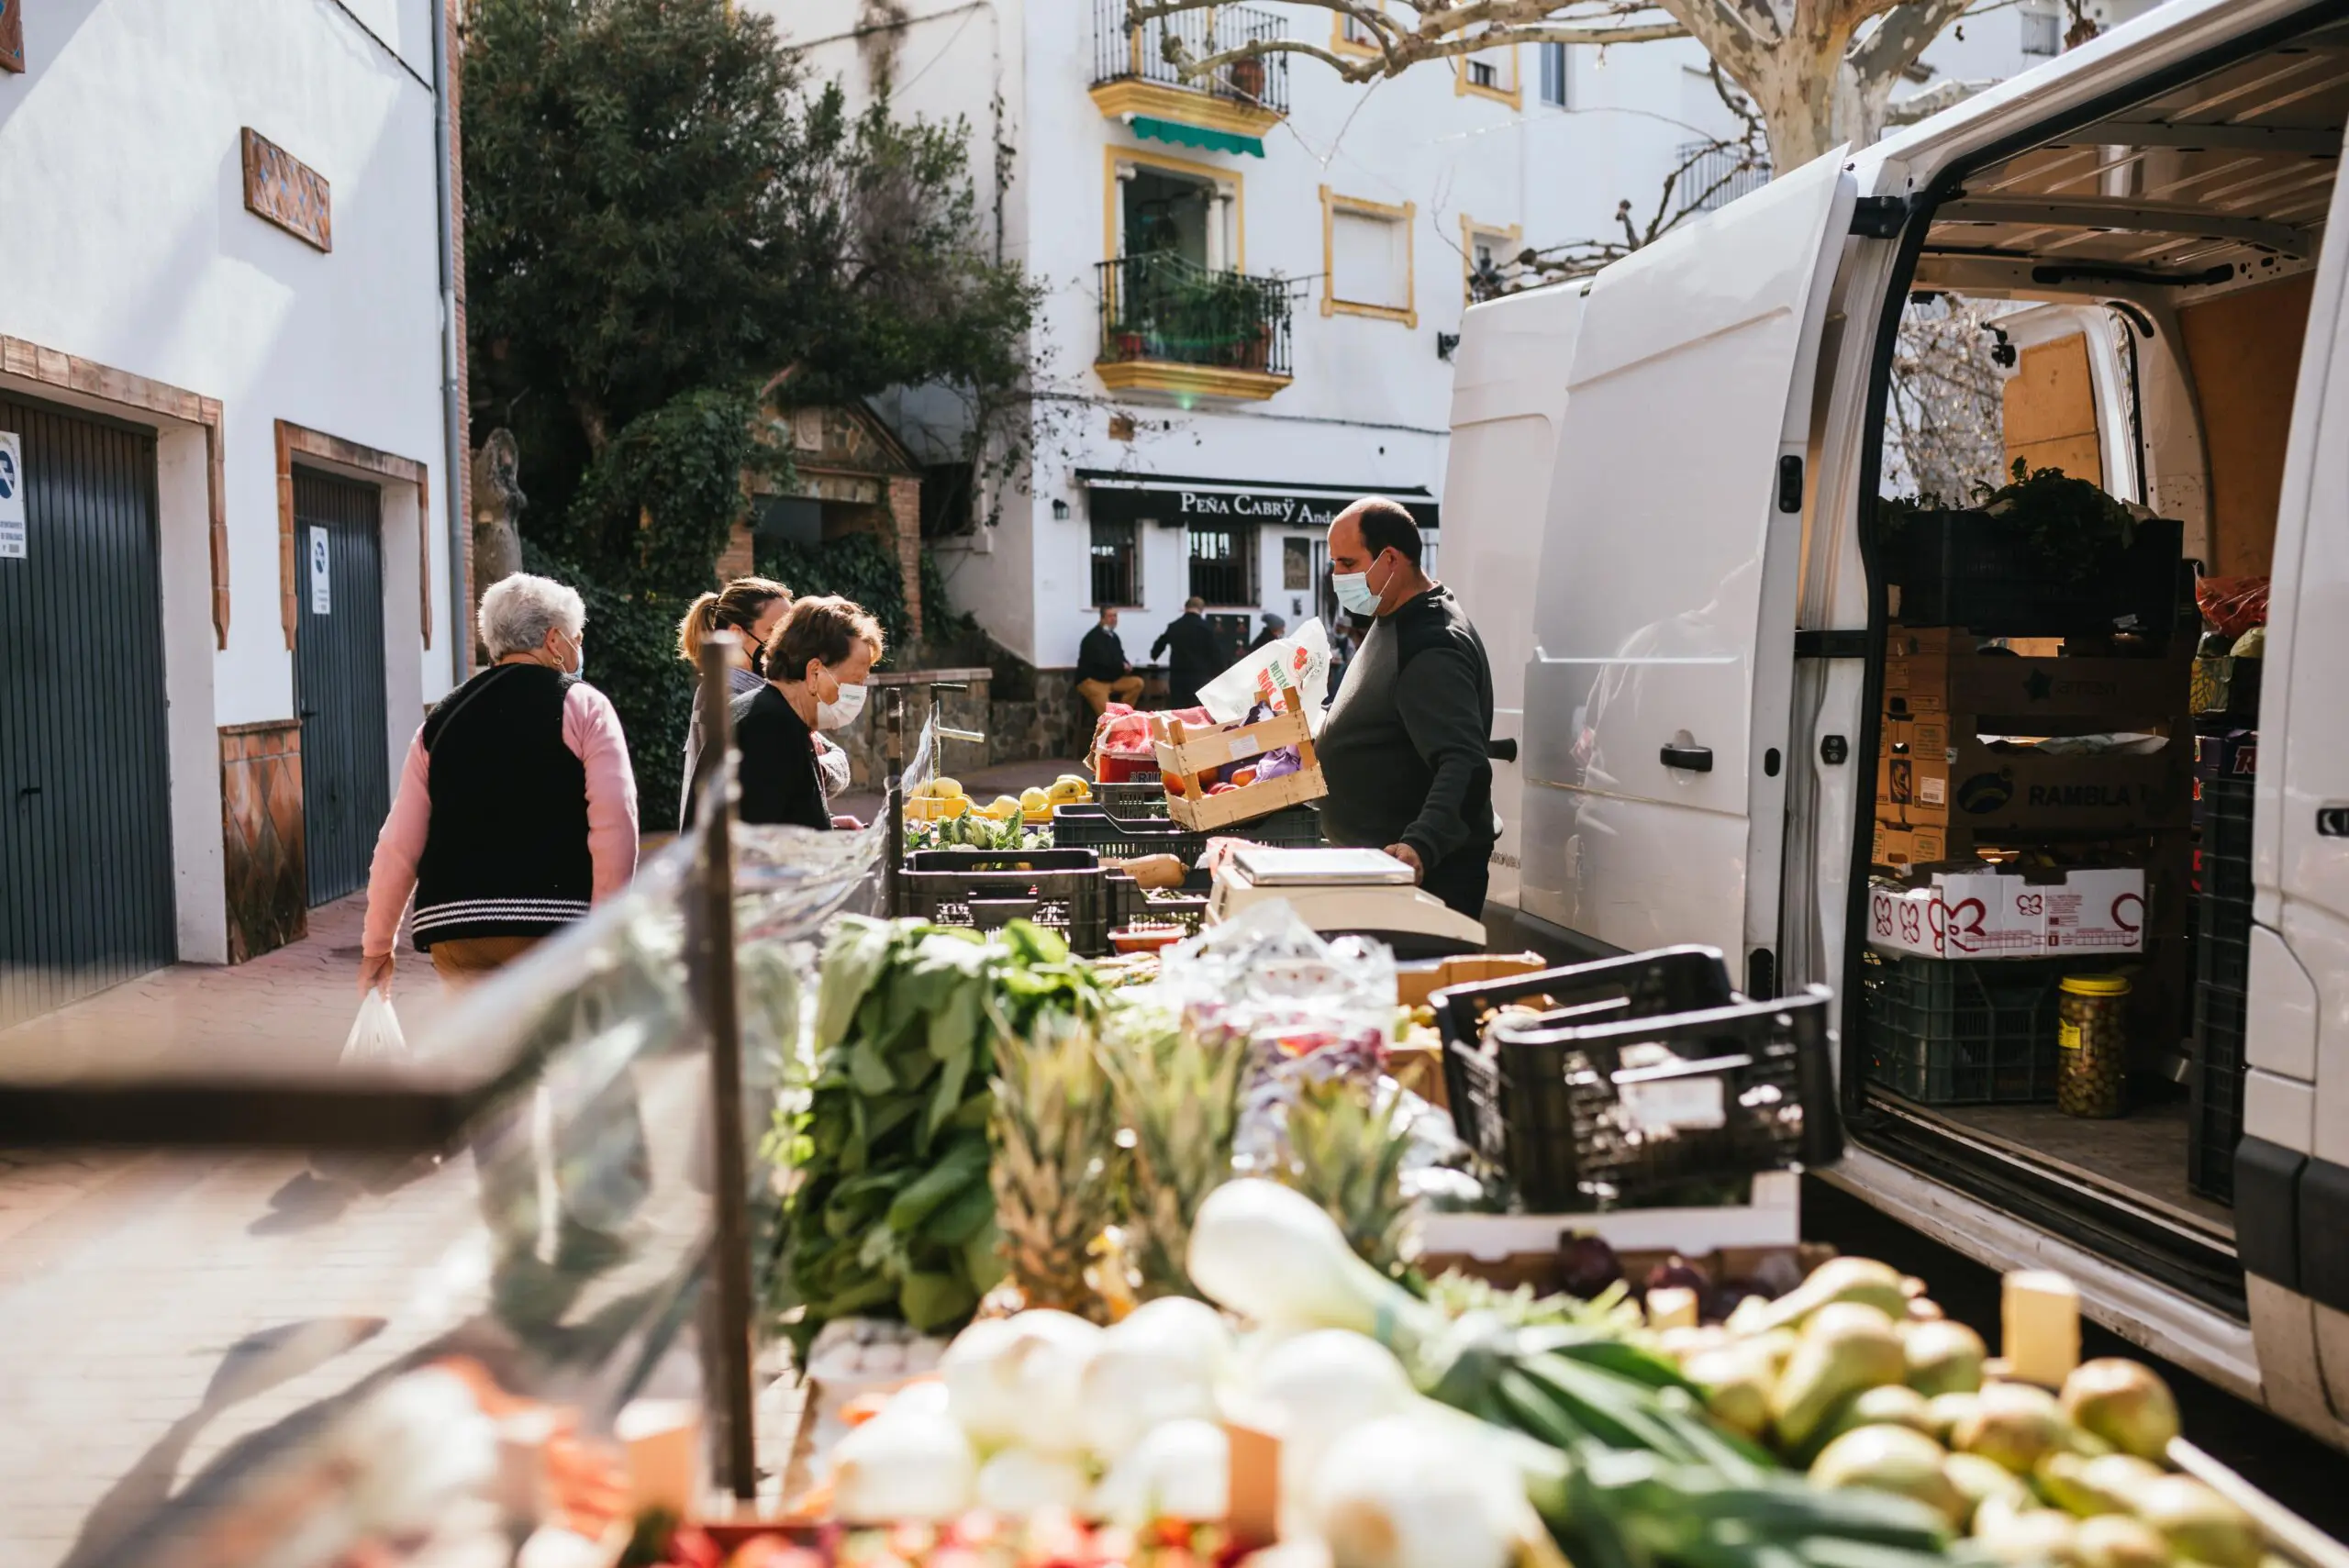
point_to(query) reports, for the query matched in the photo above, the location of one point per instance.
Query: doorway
(338, 679)
(86, 896)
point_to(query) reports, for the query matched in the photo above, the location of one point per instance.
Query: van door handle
(2333, 821)
(1500, 750)
(1689, 758)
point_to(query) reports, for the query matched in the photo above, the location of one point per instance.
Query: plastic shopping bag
(375, 1033)
(1299, 662)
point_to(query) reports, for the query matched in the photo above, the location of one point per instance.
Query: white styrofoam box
(1773, 1219)
(1993, 915)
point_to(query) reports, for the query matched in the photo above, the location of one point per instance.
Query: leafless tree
(1821, 72)
(1945, 421)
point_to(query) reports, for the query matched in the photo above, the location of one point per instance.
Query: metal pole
(892, 796)
(729, 1359)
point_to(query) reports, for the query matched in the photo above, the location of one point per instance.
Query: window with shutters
(1367, 261)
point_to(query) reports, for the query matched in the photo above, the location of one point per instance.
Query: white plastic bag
(1299, 660)
(375, 1033)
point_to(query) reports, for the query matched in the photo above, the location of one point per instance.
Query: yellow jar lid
(2096, 985)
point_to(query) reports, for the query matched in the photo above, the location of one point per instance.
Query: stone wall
(1054, 722)
(867, 741)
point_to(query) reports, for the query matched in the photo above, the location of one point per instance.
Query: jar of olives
(2092, 1054)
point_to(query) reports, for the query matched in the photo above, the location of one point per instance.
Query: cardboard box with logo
(1923, 673)
(1987, 784)
(1991, 913)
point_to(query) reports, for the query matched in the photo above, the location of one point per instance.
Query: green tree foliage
(665, 220)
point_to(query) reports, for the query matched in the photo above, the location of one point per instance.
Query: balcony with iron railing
(1138, 75)
(1169, 325)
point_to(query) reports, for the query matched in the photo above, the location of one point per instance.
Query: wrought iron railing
(1122, 52)
(1160, 306)
(1718, 173)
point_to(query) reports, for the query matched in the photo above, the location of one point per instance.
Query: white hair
(517, 612)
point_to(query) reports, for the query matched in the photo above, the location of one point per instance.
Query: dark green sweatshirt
(1404, 748)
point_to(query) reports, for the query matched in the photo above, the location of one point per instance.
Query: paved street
(160, 1308)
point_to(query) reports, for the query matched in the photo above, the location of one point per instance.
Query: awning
(1182, 501)
(1182, 135)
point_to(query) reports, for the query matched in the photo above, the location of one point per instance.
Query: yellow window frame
(1406, 215)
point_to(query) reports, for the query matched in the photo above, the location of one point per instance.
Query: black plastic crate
(1518, 1125)
(1131, 905)
(2225, 860)
(2223, 948)
(1643, 1112)
(1060, 888)
(1962, 1031)
(1967, 569)
(1119, 837)
(2214, 1091)
(1133, 798)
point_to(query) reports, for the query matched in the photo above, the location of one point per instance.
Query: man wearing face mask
(816, 672)
(1403, 751)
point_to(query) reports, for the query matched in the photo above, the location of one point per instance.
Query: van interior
(2120, 302)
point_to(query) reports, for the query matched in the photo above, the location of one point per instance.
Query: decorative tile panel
(287, 192)
(261, 827)
(12, 35)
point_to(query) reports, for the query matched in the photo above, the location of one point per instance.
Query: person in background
(1274, 629)
(517, 806)
(816, 670)
(752, 608)
(1104, 673)
(1404, 749)
(1342, 654)
(1196, 656)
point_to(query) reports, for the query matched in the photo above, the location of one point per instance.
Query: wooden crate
(1185, 754)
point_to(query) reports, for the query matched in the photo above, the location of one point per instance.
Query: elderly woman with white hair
(517, 807)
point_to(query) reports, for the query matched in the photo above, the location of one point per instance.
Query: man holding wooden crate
(1404, 751)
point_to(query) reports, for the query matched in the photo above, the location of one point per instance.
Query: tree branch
(1902, 35)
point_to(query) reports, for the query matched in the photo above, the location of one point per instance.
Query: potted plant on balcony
(1246, 76)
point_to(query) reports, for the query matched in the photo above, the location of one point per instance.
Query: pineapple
(1179, 1096)
(1345, 1147)
(1055, 1127)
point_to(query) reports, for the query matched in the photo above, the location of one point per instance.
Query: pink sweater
(591, 728)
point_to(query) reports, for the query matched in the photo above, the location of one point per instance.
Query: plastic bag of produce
(1299, 663)
(2232, 605)
(375, 1033)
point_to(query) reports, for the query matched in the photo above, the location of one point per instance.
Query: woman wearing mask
(753, 609)
(816, 670)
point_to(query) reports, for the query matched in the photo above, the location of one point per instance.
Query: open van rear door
(1657, 696)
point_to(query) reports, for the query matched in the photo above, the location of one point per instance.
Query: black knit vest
(506, 852)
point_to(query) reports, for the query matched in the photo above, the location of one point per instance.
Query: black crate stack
(2225, 769)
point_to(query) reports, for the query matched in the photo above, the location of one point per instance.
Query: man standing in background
(1274, 629)
(1197, 655)
(1404, 751)
(1103, 674)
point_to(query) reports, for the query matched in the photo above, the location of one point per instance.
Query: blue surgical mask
(1353, 593)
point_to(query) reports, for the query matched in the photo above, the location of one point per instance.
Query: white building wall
(1369, 404)
(124, 241)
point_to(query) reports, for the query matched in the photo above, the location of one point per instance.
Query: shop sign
(321, 580)
(287, 192)
(1210, 504)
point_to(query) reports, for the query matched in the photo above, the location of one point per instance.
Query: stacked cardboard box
(1997, 914)
(1942, 793)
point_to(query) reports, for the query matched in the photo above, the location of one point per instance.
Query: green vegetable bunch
(888, 1208)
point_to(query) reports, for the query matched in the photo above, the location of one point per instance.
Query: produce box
(1185, 754)
(1983, 785)
(2231, 755)
(1987, 913)
(2225, 686)
(1415, 981)
(2116, 692)
(1972, 570)
(1961, 1031)
(1509, 1250)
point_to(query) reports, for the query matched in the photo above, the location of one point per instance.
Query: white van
(1704, 655)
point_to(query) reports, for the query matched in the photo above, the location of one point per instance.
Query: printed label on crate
(1670, 1104)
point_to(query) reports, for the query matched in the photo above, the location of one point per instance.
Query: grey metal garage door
(85, 825)
(338, 679)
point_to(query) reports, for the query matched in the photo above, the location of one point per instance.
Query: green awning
(1182, 135)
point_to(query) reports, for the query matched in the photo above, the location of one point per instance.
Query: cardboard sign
(12, 497)
(321, 576)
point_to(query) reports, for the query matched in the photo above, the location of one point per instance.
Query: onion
(1402, 1492)
(1271, 1254)
(1178, 1471)
(1312, 1388)
(902, 1464)
(1159, 1364)
(1018, 1380)
(1017, 1483)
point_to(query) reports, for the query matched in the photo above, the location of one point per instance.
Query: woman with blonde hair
(753, 609)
